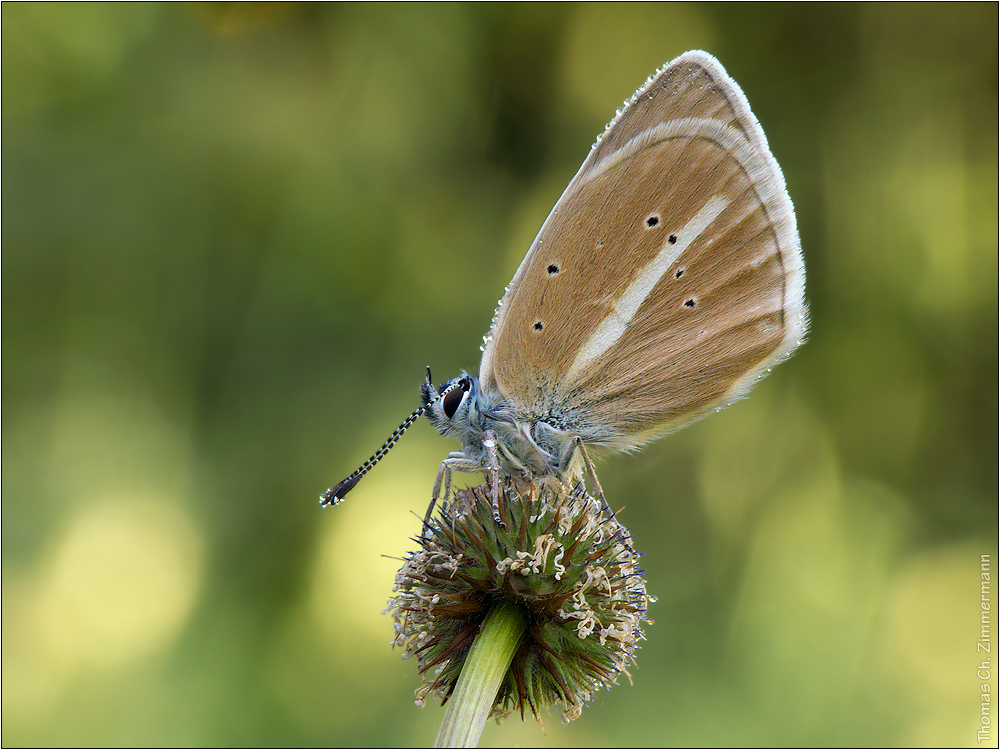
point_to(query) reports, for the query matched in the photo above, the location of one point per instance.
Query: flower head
(560, 557)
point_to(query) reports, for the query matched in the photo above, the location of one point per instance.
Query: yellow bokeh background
(235, 234)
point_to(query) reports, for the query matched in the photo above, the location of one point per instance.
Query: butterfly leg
(456, 461)
(588, 466)
(493, 464)
(443, 476)
(592, 477)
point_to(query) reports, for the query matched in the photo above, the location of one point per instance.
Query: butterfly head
(451, 414)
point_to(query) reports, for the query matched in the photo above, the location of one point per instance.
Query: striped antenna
(335, 495)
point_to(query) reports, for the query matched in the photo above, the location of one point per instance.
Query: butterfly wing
(667, 278)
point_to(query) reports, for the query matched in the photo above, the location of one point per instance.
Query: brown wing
(668, 276)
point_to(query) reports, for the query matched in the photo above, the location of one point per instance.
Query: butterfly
(666, 281)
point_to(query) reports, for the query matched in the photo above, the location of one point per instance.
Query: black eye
(453, 399)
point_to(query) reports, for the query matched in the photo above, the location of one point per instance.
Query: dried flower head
(560, 557)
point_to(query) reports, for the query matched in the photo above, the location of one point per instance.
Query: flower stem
(491, 654)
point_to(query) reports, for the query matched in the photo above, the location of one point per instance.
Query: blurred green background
(234, 235)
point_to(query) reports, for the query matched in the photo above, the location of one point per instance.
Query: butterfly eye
(453, 399)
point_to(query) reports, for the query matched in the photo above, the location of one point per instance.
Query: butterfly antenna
(335, 495)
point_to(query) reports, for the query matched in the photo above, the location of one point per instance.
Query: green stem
(470, 704)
